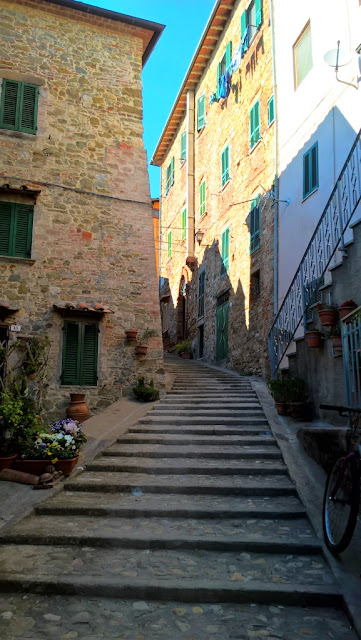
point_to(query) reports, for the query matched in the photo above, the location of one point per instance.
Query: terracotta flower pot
(345, 310)
(328, 317)
(282, 408)
(141, 349)
(131, 334)
(77, 409)
(299, 410)
(186, 355)
(7, 462)
(313, 338)
(66, 466)
(336, 342)
(35, 467)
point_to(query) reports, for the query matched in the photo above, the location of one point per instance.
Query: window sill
(255, 145)
(72, 387)
(225, 185)
(310, 194)
(202, 216)
(16, 260)
(18, 134)
(254, 250)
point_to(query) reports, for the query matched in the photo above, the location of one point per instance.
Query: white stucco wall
(320, 110)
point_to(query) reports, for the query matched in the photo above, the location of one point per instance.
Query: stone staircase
(194, 504)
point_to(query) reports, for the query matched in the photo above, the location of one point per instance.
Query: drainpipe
(190, 176)
(276, 165)
(160, 232)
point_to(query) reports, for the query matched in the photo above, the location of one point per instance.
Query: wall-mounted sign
(15, 327)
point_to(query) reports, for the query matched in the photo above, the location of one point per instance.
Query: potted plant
(334, 335)
(145, 392)
(184, 349)
(313, 337)
(141, 349)
(345, 308)
(278, 390)
(328, 313)
(297, 398)
(131, 334)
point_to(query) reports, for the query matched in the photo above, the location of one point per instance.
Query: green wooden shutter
(169, 244)
(172, 171)
(202, 198)
(218, 79)
(254, 225)
(183, 146)
(225, 166)
(5, 227)
(225, 252)
(258, 8)
(184, 224)
(89, 355)
(201, 113)
(71, 361)
(310, 170)
(228, 56)
(23, 228)
(10, 104)
(243, 30)
(254, 124)
(29, 108)
(271, 110)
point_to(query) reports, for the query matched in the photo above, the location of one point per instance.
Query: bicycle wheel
(340, 508)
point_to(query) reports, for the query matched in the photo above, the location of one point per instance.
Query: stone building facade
(77, 256)
(217, 159)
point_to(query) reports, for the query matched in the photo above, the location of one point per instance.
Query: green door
(222, 332)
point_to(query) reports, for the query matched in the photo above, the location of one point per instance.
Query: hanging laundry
(213, 97)
(244, 42)
(224, 85)
(236, 60)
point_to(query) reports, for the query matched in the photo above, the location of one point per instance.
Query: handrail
(328, 234)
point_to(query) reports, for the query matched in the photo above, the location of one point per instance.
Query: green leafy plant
(334, 332)
(148, 333)
(184, 347)
(320, 306)
(278, 388)
(296, 389)
(145, 392)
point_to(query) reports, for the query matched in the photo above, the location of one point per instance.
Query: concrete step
(168, 405)
(162, 574)
(182, 451)
(257, 421)
(183, 439)
(225, 412)
(258, 535)
(211, 395)
(176, 506)
(213, 429)
(255, 485)
(186, 466)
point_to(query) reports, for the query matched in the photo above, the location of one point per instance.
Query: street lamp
(199, 236)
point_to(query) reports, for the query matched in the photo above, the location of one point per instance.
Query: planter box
(281, 408)
(7, 462)
(66, 466)
(35, 467)
(141, 349)
(131, 334)
(313, 338)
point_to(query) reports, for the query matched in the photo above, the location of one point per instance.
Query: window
(271, 110)
(251, 20)
(225, 165)
(302, 55)
(183, 146)
(19, 106)
(223, 66)
(169, 176)
(16, 229)
(254, 125)
(201, 113)
(254, 226)
(80, 354)
(201, 293)
(310, 171)
(184, 224)
(169, 244)
(202, 198)
(255, 285)
(225, 252)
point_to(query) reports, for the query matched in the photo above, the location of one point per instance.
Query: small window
(302, 55)
(169, 244)
(225, 165)
(251, 20)
(223, 66)
(225, 252)
(183, 146)
(202, 198)
(16, 229)
(19, 106)
(184, 224)
(254, 225)
(169, 176)
(201, 113)
(310, 171)
(255, 288)
(80, 354)
(201, 293)
(271, 110)
(254, 125)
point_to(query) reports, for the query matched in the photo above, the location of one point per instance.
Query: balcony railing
(327, 236)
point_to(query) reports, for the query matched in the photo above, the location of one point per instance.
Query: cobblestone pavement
(188, 528)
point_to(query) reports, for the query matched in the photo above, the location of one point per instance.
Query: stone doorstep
(188, 591)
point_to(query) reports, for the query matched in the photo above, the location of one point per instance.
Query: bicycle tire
(339, 515)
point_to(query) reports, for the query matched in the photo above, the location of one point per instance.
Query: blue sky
(167, 65)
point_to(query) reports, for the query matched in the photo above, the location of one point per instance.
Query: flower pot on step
(313, 339)
(328, 317)
(77, 409)
(7, 462)
(66, 466)
(131, 334)
(344, 310)
(186, 355)
(141, 349)
(336, 343)
(281, 408)
(35, 467)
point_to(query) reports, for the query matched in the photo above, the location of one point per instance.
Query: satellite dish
(337, 57)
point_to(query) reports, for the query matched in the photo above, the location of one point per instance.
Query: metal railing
(327, 236)
(351, 351)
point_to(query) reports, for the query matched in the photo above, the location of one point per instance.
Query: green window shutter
(10, 104)
(89, 354)
(71, 361)
(258, 8)
(28, 108)
(184, 224)
(167, 178)
(228, 55)
(225, 166)
(271, 110)
(172, 171)
(6, 227)
(244, 39)
(254, 124)
(202, 198)
(310, 170)
(254, 225)
(23, 229)
(201, 112)
(169, 244)
(218, 79)
(183, 146)
(225, 252)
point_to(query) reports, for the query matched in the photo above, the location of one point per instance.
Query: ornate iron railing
(328, 234)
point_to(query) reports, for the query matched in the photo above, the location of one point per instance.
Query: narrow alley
(188, 527)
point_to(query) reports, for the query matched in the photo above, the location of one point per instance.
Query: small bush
(145, 392)
(184, 347)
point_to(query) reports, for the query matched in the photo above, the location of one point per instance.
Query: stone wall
(92, 236)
